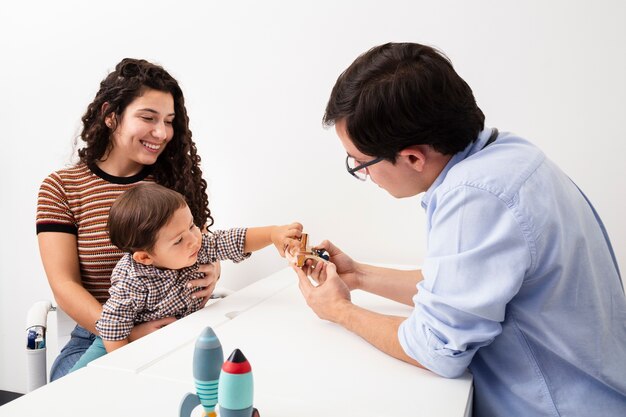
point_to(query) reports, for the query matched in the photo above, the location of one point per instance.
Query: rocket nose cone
(208, 339)
(207, 332)
(237, 363)
(237, 357)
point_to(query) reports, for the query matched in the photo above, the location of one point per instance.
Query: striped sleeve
(53, 209)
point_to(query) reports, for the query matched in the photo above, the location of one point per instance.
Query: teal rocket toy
(207, 362)
(236, 389)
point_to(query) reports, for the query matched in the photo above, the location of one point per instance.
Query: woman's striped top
(77, 200)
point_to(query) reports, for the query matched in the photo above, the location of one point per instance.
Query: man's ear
(415, 155)
(143, 257)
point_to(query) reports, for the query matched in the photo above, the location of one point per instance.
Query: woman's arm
(59, 254)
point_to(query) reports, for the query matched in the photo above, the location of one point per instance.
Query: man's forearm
(379, 330)
(390, 283)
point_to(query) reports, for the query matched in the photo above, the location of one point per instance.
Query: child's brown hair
(139, 213)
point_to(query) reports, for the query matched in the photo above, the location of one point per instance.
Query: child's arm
(127, 296)
(237, 243)
(111, 345)
(282, 237)
(146, 328)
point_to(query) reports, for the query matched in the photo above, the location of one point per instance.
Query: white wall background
(257, 76)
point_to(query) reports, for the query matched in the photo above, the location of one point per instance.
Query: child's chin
(190, 262)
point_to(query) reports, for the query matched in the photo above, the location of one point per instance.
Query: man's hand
(331, 297)
(345, 266)
(330, 300)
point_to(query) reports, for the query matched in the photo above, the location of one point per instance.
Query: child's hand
(285, 238)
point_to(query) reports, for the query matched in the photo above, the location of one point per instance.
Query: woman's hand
(206, 284)
(285, 238)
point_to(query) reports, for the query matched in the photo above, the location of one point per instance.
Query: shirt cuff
(113, 330)
(423, 345)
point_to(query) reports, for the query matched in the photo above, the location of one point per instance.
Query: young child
(154, 225)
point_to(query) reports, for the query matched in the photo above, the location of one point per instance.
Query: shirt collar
(470, 149)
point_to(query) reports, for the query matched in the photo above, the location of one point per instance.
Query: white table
(143, 352)
(302, 366)
(93, 392)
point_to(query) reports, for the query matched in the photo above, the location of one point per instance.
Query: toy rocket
(207, 361)
(236, 389)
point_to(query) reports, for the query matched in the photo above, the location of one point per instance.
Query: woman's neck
(117, 168)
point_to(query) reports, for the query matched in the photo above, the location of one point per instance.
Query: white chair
(48, 329)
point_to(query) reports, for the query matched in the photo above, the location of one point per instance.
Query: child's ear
(142, 257)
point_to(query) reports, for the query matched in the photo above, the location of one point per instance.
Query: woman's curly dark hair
(178, 167)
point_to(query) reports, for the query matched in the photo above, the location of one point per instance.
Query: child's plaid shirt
(141, 293)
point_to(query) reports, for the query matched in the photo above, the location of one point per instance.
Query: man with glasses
(519, 283)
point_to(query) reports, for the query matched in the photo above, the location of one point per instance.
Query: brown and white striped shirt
(77, 200)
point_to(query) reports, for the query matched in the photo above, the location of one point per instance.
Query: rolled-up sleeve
(53, 209)
(477, 257)
(224, 244)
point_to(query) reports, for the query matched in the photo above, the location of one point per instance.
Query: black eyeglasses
(359, 172)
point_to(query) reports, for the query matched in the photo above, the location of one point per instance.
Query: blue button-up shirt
(520, 286)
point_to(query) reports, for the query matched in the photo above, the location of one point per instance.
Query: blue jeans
(78, 344)
(95, 351)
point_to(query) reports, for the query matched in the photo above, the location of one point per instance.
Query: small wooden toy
(305, 252)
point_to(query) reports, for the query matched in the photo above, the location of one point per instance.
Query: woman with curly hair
(136, 130)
